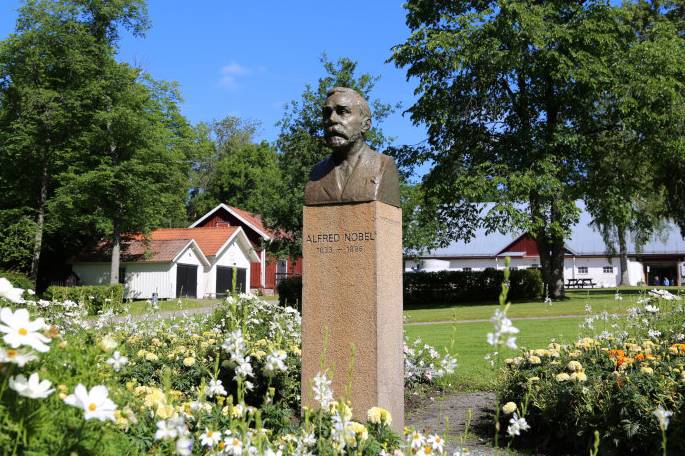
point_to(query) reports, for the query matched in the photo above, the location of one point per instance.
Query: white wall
(141, 280)
(188, 256)
(232, 255)
(144, 279)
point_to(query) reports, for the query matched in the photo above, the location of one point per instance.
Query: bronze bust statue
(353, 172)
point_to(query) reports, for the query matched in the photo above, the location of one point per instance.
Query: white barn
(175, 262)
(587, 256)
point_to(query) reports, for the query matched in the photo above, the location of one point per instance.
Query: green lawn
(599, 299)
(139, 307)
(470, 346)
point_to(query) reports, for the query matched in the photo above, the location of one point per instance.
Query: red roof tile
(137, 251)
(253, 219)
(209, 239)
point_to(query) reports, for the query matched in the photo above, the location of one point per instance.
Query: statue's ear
(366, 125)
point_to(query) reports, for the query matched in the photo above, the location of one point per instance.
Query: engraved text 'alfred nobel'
(331, 238)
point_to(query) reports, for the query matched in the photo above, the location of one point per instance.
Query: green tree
(300, 143)
(49, 74)
(139, 162)
(238, 172)
(503, 88)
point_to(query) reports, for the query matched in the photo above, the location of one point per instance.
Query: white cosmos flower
(117, 361)
(233, 446)
(216, 388)
(651, 309)
(210, 438)
(437, 443)
(20, 330)
(94, 403)
(10, 293)
(32, 388)
(18, 357)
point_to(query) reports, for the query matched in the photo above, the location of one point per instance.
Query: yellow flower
(574, 366)
(189, 361)
(578, 377)
(534, 379)
(165, 411)
(647, 370)
(377, 415)
(575, 354)
(562, 377)
(509, 408)
(359, 430)
(534, 359)
(151, 357)
(108, 343)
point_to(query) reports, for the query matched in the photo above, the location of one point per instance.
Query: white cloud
(230, 74)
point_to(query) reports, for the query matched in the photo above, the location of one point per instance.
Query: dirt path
(448, 414)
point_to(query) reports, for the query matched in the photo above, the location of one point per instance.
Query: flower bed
(624, 380)
(227, 383)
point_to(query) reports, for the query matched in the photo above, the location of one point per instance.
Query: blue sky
(250, 58)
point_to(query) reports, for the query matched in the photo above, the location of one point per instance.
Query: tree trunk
(556, 279)
(40, 222)
(623, 256)
(116, 255)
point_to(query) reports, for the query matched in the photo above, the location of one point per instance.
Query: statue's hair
(361, 102)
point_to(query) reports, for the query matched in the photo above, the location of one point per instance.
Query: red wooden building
(265, 274)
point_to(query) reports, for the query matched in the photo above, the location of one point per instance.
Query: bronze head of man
(353, 172)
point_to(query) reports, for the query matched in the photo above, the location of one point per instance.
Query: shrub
(614, 382)
(290, 292)
(453, 287)
(17, 279)
(95, 298)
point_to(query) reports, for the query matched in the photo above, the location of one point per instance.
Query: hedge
(459, 287)
(18, 279)
(290, 292)
(95, 297)
(449, 287)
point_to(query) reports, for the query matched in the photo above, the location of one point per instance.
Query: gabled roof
(209, 239)
(585, 240)
(140, 251)
(253, 221)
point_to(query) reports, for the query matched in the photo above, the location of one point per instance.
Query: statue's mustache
(334, 131)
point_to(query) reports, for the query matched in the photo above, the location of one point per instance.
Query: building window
(608, 269)
(534, 265)
(466, 269)
(582, 269)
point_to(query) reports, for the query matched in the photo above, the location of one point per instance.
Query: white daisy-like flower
(32, 388)
(10, 293)
(20, 330)
(233, 446)
(95, 403)
(216, 388)
(18, 357)
(437, 443)
(416, 440)
(117, 361)
(210, 438)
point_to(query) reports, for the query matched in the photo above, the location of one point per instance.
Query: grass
(599, 299)
(139, 307)
(470, 346)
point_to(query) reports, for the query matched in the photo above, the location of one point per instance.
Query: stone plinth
(352, 305)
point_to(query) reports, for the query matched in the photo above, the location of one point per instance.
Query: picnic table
(580, 283)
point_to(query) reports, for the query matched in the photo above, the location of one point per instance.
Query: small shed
(174, 262)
